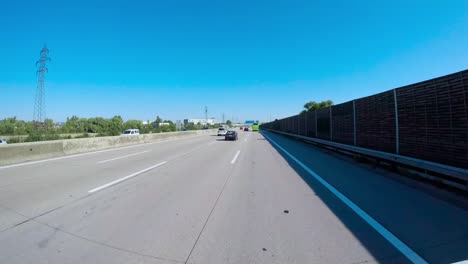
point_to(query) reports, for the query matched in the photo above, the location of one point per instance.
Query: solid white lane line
(89, 153)
(125, 178)
(211, 142)
(134, 154)
(391, 238)
(235, 157)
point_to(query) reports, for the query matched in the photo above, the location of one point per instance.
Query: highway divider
(22, 152)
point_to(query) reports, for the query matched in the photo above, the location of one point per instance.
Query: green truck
(255, 127)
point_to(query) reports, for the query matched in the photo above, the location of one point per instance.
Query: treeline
(98, 126)
(314, 106)
(106, 126)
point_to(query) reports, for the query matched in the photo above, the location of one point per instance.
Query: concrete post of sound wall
(397, 136)
(354, 122)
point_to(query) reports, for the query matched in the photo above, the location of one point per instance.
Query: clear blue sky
(247, 59)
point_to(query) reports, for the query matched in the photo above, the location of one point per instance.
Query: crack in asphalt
(34, 219)
(231, 169)
(29, 218)
(107, 245)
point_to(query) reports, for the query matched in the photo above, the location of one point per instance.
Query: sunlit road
(204, 200)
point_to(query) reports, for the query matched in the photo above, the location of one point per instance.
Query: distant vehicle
(255, 127)
(231, 135)
(3, 142)
(130, 132)
(221, 131)
(246, 129)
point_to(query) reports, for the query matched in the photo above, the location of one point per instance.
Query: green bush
(50, 137)
(85, 135)
(13, 140)
(33, 137)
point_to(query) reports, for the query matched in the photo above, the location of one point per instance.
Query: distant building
(201, 121)
(156, 125)
(59, 124)
(145, 123)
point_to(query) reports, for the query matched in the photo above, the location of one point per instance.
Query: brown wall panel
(323, 123)
(433, 120)
(343, 123)
(310, 124)
(375, 122)
(302, 125)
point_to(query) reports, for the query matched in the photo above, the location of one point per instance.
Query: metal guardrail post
(397, 130)
(354, 122)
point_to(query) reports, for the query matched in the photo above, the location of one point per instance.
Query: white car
(130, 132)
(3, 142)
(222, 131)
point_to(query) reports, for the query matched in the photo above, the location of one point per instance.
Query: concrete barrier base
(21, 152)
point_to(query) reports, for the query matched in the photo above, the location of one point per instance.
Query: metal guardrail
(454, 172)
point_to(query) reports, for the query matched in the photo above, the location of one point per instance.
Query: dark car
(231, 135)
(246, 129)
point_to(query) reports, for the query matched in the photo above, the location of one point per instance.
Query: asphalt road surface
(262, 199)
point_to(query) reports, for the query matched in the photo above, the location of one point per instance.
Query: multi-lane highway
(262, 199)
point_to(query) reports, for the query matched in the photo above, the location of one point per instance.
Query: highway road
(262, 199)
